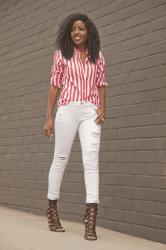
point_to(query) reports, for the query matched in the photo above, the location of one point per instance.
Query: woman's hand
(48, 127)
(101, 115)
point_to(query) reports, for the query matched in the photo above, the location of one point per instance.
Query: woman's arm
(48, 126)
(52, 98)
(55, 85)
(101, 110)
(102, 96)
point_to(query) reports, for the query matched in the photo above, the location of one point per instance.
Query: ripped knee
(61, 158)
(91, 157)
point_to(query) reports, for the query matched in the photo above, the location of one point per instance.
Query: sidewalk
(24, 231)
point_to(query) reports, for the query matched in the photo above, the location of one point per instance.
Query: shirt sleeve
(100, 77)
(57, 70)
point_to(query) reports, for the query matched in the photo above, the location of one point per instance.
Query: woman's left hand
(101, 115)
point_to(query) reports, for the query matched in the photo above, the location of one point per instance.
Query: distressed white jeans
(70, 118)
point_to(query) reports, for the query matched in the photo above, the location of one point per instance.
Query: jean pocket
(59, 113)
(92, 111)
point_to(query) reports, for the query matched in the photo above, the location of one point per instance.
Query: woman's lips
(77, 38)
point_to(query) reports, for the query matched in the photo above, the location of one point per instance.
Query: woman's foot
(53, 218)
(90, 221)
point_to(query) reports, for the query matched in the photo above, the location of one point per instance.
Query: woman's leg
(65, 126)
(89, 133)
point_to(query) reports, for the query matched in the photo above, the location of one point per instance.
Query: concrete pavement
(24, 231)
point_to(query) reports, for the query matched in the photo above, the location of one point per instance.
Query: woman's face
(79, 33)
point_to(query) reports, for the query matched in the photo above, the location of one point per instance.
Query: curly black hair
(65, 43)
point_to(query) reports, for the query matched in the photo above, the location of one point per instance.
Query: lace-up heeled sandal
(90, 221)
(53, 218)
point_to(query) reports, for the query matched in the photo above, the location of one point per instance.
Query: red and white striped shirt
(78, 82)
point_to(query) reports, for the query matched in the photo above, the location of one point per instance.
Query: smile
(77, 38)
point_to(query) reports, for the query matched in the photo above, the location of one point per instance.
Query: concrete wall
(133, 157)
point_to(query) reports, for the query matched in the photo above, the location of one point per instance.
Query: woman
(78, 70)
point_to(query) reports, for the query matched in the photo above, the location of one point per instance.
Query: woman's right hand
(48, 127)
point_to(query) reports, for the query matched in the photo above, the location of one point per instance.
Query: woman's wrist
(48, 117)
(102, 107)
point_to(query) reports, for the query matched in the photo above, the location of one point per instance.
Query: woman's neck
(81, 48)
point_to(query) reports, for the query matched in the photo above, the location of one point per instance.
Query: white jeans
(70, 118)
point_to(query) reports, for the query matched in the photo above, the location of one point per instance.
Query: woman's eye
(81, 29)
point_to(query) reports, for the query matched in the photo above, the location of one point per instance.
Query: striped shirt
(78, 82)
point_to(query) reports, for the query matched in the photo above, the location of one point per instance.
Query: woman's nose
(76, 32)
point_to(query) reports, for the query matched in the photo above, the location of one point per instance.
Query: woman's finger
(99, 119)
(47, 131)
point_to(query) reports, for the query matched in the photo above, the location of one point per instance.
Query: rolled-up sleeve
(57, 70)
(100, 77)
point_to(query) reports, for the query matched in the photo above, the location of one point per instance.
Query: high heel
(90, 221)
(53, 218)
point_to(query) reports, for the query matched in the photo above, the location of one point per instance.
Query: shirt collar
(78, 52)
